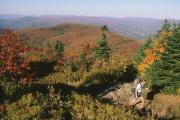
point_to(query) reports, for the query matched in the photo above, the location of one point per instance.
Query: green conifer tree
(166, 25)
(104, 28)
(59, 47)
(138, 58)
(166, 72)
(103, 51)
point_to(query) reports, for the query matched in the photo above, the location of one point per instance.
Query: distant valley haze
(135, 18)
(134, 27)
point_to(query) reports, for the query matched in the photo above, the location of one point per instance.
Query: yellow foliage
(24, 109)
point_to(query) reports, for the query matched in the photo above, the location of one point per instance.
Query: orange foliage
(76, 36)
(153, 54)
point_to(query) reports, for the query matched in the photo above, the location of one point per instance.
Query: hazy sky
(111, 8)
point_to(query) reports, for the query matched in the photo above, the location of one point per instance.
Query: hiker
(139, 93)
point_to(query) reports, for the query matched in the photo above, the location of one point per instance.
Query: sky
(106, 8)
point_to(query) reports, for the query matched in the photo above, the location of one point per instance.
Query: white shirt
(139, 88)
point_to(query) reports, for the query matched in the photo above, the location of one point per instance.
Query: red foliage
(12, 64)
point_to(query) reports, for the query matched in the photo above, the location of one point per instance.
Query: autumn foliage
(13, 65)
(154, 53)
(75, 37)
(158, 60)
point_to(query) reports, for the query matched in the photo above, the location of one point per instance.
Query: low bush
(117, 69)
(86, 108)
(36, 106)
(11, 91)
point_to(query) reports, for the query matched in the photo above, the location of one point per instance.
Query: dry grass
(167, 106)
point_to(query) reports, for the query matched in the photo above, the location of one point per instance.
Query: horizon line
(33, 15)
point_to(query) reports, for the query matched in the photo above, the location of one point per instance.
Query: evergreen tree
(104, 28)
(178, 26)
(103, 51)
(174, 25)
(166, 71)
(166, 25)
(59, 47)
(138, 58)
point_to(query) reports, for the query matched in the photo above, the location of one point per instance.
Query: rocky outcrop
(123, 95)
(162, 106)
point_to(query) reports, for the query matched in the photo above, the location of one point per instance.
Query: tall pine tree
(166, 25)
(103, 51)
(166, 71)
(138, 58)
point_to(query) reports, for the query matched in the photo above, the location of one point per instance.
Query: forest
(59, 73)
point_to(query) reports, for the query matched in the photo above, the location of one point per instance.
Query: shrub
(118, 69)
(86, 108)
(11, 91)
(36, 106)
(66, 76)
(25, 108)
(13, 65)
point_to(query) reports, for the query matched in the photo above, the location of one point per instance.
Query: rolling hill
(76, 36)
(138, 28)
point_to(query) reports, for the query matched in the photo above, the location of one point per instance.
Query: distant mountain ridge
(139, 28)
